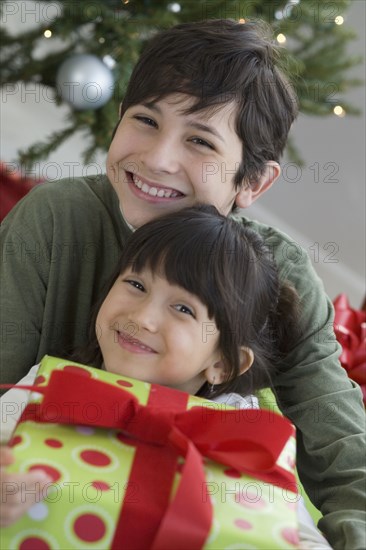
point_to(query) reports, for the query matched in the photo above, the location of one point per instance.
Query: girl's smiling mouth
(134, 345)
(151, 190)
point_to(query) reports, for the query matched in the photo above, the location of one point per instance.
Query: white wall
(322, 206)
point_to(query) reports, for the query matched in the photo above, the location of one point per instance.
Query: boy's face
(157, 332)
(162, 160)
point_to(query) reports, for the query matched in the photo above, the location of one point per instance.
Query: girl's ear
(246, 359)
(217, 372)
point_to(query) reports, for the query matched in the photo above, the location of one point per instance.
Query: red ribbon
(350, 331)
(248, 440)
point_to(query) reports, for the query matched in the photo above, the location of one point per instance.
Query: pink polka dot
(89, 527)
(34, 543)
(77, 370)
(55, 443)
(101, 485)
(243, 524)
(96, 458)
(125, 383)
(290, 462)
(250, 500)
(39, 380)
(15, 441)
(291, 505)
(231, 472)
(51, 472)
(289, 534)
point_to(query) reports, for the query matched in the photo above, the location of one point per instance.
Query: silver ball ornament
(85, 82)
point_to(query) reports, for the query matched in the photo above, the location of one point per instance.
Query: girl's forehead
(158, 275)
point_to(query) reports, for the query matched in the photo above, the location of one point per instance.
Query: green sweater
(59, 247)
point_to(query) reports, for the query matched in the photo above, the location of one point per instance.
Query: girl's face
(162, 159)
(157, 332)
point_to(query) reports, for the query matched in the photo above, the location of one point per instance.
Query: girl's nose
(145, 316)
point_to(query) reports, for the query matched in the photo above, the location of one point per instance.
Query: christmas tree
(311, 32)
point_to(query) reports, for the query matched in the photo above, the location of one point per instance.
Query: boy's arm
(23, 271)
(314, 391)
(60, 244)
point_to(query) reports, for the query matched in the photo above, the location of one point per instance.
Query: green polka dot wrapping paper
(140, 466)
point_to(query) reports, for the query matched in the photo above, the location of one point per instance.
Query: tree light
(339, 111)
(174, 7)
(281, 38)
(339, 20)
(47, 33)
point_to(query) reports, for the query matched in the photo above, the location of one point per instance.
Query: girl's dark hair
(218, 62)
(228, 267)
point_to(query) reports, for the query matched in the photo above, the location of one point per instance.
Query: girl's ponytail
(285, 319)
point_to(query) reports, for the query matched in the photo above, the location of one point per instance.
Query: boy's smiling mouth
(153, 190)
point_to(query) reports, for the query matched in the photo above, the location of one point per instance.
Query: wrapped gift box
(140, 466)
(350, 331)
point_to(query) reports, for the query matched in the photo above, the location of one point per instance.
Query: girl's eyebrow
(193, 123)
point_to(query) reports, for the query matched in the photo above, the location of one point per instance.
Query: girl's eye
(146, 120)
(135, 284)
(184, 309)
(200, 141)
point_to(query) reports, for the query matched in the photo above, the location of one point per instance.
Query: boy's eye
(184, 309)
(135, 284)
(204, 143)
(146, 120)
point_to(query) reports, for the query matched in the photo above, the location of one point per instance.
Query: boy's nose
(161, 155)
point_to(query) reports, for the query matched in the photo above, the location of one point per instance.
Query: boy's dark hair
(217, 62)
(228, 267)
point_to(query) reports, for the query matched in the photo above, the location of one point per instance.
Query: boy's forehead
(185, 103)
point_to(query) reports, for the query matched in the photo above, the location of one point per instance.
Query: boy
(205, 119)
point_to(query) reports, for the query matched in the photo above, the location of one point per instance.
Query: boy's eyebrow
(205, 128)
(198, 125)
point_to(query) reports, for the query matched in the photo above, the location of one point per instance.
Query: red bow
(350, 330)
(247, 440)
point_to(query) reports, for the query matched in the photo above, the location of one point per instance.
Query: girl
(195, 304)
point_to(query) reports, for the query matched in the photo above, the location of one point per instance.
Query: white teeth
(153, 191)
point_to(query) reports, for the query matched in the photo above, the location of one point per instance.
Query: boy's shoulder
(75, 188)
(292, 260)
(269, 233)
(64, 199)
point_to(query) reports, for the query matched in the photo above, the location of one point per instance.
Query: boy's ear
(248, 194)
